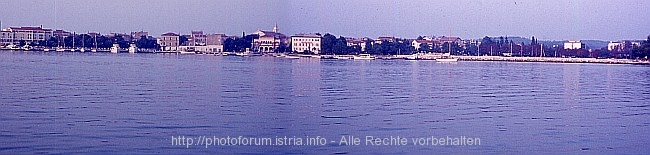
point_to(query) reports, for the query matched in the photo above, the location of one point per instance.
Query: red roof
(169, 34)
(449, 38)
(29, 28)
(423, 41)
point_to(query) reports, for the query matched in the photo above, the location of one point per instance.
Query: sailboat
(95, 50)
(83, 43)
(446, 57)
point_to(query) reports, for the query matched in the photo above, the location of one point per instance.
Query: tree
(182, 39)
(424, 47)
(145, 42)
(642, 51)
(327, 43)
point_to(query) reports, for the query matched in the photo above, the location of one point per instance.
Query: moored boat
(363, 57)
(447, 58)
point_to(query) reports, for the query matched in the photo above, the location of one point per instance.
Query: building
(417, 43)
(61, 34)
(623, 45)
(197, 38)
(574, 44)
(138, 35)
(206, 43)
(169, 42)
(385, 39)
(306, 42)
(215, 39)
(16, 35)
(450, 40)
(614, 46)
(269, 41)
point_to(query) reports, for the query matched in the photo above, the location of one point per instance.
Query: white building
(614, 46)
(361, 42)
(306, 42)
(15, 35)
(574, 44)
(416, 43)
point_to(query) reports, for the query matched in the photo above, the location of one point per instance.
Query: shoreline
(429, 57)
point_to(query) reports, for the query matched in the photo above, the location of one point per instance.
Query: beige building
(215, 39)
(169, 42)
(269, 41)
(15, 35)
(306, 42)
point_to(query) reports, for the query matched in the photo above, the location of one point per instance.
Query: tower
(275, 28)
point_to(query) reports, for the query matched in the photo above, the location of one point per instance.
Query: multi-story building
(169, 41)
(138, 35)
(623, 45)
(306, 42)
(198, 38)
(361, 42)
(61, 34)
(15, 35)
(614, 46)
(215, 39)
(269, 41)
(574, 44)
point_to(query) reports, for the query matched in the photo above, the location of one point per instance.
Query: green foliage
(239, 44)
(145, 42)
(642, 51)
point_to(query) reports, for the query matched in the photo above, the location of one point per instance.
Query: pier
(552, 59)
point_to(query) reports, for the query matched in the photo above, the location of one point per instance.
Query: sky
(544, 19)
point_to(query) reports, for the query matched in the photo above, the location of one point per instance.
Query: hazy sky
(545, 19)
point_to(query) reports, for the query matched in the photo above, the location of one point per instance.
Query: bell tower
(275, 28)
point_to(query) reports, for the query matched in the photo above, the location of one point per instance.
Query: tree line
(87, 41)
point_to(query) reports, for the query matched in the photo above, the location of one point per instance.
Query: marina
(440, 57)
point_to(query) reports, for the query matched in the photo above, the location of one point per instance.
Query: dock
(552, 59)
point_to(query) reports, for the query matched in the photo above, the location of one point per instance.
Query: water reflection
(94, 103)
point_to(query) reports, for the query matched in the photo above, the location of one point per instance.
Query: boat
(27, 48)
(291, 57)
(186, 52)
(411, 57)
(363, 57)
(343, 57)
(115, 48)
(12, 47)
(447, 58)
(46, 49)
(243, 54)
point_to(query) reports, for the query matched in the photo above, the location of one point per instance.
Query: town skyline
(387, 18)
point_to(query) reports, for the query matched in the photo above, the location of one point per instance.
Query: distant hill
(592, 44)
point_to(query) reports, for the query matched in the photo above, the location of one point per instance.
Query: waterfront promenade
(552, 59)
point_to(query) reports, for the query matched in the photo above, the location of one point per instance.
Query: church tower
(275, 28)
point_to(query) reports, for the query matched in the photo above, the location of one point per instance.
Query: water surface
(64, 103)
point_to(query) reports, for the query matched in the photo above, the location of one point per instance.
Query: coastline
(425, 57)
